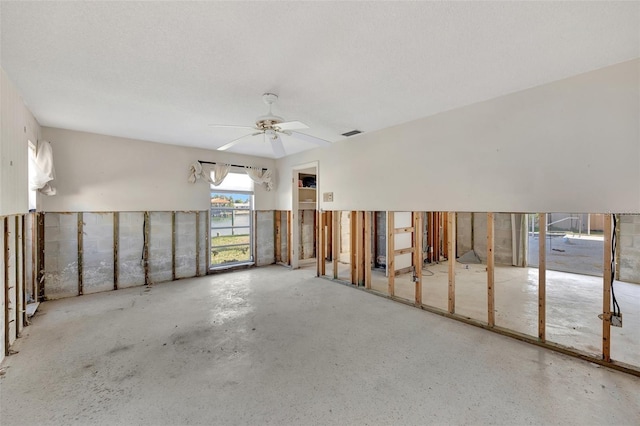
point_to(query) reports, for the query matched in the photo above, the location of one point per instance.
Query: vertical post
(289, 248)
(40, 281)
(17, 262)
(417, 255)
(391, 271)
(197, 243)
(322, 246)
(360, 246)
(336, 242)
(490, 271)
(34, 255)
(173, 246)
(278, 236)
(116, 241)
(353, 248)
(606, 299)
(318, 227)
(542, 275)
(330, 240)
(80, 254)
(451, 250)
(23, 295)
(145, 249)
(367, 249)
(6, 285)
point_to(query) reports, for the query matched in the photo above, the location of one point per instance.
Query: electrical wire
(614, 243)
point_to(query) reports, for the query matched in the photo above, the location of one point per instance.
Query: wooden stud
(34, 256)
(145, 249)
(403, 230)
(197, 244)
(352, 247)
(451, 256)
(490, 271)
(336, 242)
(417, 256)
(391, 271)
(404, 251)
(289, 247)
(330, 240)
(359, 248)
(367, 249)
(40, 281)
(80, 254)
(606, 299)
(278, 236)
(445, 233)
(173, 246)
(6, 286)
(16, 288)
(24, 270)
(542, 276)
(320, 244)
(116, 242)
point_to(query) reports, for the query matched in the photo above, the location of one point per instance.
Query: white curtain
(220, 171)
(259, 176)
(41, 170)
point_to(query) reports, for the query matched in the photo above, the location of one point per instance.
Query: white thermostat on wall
(327, 197)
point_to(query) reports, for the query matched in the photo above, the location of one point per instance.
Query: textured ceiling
(164, 71)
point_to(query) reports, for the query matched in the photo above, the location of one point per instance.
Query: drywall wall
(18, 126)
(106, 173)
(571, 145)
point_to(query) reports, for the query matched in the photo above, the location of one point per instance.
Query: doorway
(304, 207)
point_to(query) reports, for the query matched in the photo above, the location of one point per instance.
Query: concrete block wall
(160, 259)
(186, 244)
(502, 235)
(265, 238)
(3, 303)
(60, 255)
(130, 249)
(629, 248)
(284, 231)
(97, 252)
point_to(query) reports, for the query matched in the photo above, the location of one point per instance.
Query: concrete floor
(573, 304)
(275, 346)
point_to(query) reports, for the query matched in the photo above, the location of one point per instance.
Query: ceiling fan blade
(231, 126)
(312, 139)
(291, 125)
(235, 141)
(278, 147)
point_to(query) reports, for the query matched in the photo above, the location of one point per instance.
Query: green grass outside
(230, 254)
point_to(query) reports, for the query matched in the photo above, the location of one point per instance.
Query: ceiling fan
(271, 127)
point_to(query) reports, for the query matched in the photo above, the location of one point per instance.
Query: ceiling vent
(351, 133)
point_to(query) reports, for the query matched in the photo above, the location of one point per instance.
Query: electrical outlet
(616, 320)
(327, 197)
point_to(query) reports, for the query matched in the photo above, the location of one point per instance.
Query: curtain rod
(232, 165)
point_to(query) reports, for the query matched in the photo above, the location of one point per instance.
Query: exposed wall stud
(145, 250)
(367, 249)
(116, 243)
(278, 235)
(6, 285)
(197, 244)
(320, 243)
(40, 281)
(542, 276)
(23, 294)
(359, 247)
(17, 262)
(417, 256)
(606, 299)
(391, 271)
(80, 254)
(173, 246)
(330, 240)
(289, 233)
(336, 242)
(451, 256)
(353, 247)
(490, 271)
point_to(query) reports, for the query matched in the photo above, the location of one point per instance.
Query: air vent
(351, 133)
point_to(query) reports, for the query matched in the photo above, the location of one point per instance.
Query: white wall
(106, 173)
(17, 126)
(571, 145)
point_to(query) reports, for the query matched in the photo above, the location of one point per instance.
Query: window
(232, 221)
